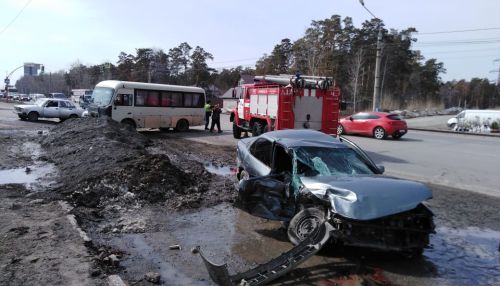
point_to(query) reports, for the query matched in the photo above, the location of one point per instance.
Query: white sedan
(48, 108)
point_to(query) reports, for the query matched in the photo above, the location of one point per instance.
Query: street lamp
(376, 89)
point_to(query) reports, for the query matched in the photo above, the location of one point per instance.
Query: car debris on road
(316, 183)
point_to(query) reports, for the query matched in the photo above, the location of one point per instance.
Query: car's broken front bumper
(407, 231)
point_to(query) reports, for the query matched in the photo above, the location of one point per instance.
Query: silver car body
(49, 108)
(360, 197)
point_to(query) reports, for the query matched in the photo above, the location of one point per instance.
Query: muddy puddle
(36, 175)
(466, 256)
(28, 175)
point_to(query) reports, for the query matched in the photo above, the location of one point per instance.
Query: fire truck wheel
(236, 131)
(258, 128)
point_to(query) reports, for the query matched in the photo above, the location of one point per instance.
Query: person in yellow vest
(208, 112)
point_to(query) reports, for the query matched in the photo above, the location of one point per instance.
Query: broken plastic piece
(275, 268)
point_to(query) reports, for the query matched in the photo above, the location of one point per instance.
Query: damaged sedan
(305, 178)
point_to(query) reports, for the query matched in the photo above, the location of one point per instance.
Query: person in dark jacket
(216, 111)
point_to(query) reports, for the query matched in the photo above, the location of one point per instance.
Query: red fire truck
(286, 102)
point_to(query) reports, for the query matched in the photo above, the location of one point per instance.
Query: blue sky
(57, 33)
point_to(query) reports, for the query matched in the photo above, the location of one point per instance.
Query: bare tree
(356, 62)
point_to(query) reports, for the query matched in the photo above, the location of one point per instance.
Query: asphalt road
(453, 160)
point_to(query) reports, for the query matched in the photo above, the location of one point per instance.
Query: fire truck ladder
(273, 269)
(285, 112)
(331, 108)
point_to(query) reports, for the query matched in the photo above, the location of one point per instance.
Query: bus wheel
(182, 125)
(128, 122)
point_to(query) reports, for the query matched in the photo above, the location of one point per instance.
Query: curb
(455, 132)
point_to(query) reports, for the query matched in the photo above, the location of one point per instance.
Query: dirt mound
(102, 162)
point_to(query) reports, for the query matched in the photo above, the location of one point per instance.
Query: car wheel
(73, 116)
(304, 223)
(33, 116)
(236, 131)
(182, 125)
(258, 128)
(128, 122)
(379, 133)
(340, 129)
(452, 126)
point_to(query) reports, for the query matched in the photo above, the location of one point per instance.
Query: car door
(270, 196)
(371, 121)
(66, 109)
(257, 161)
(51, 109)
(357, 122)
(122, 105)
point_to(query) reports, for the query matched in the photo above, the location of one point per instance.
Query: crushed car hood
(367, 197)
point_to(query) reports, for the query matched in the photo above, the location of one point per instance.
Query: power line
(458, 42)
(463, 51)
(457, 31)
(15, 18)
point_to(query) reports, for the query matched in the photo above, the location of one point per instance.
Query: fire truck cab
(286, 102)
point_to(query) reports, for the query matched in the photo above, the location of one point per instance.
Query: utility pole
(497, 71)
(376, 88)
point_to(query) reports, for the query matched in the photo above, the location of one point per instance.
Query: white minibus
(148, 105)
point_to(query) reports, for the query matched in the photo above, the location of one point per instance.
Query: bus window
(153, 98)
(140, 96)
(176, 98)
(123, 100)
(166, 99)
(198, 100)
(188, 99)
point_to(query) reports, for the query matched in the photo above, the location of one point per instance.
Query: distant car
(305, 177)
(37, 96)
(376, 124)
(24, 97)
(48, 108)
(57, 95)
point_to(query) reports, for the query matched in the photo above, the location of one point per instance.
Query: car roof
(292, 138)
(54, 99)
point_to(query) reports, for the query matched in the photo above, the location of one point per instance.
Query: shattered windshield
(322, 161)
(102, 96)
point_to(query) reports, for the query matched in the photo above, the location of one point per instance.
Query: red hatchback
(376, 124)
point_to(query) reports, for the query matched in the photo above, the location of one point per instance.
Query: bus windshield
(102, 96)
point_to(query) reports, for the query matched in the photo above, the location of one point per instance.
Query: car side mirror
(381, 168)
(350, 118)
